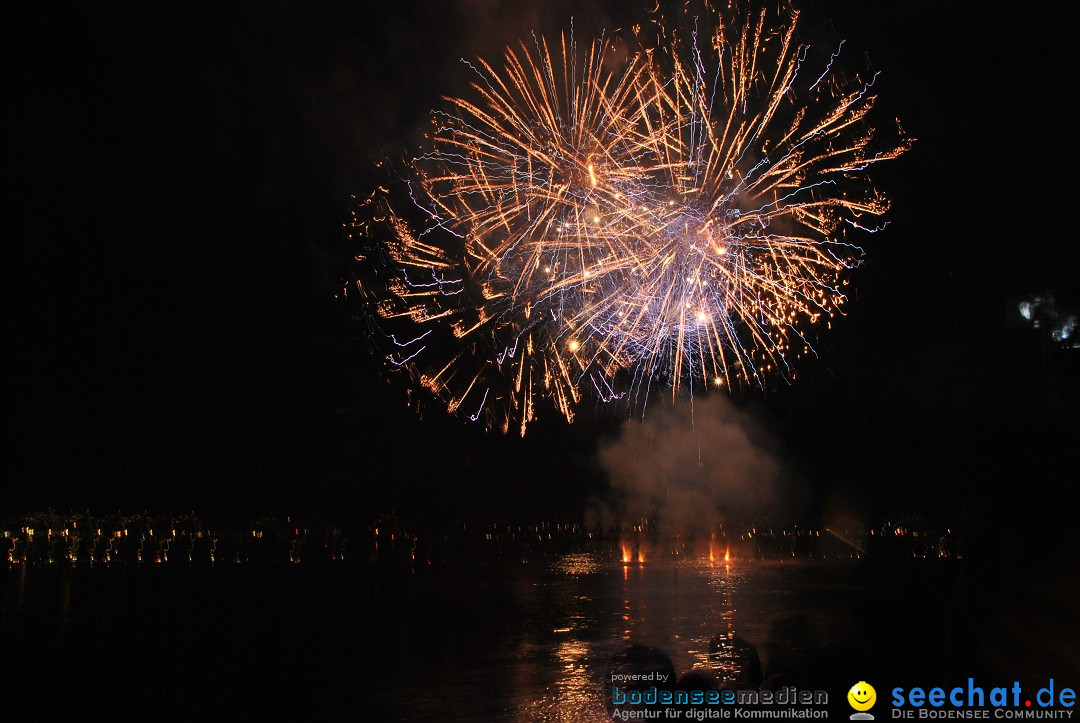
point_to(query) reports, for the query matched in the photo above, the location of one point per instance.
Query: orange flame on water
(715, 555)
(632, 553)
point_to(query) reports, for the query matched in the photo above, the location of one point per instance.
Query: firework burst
(671, 207)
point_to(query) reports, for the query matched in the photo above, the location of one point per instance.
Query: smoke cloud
(693, 466)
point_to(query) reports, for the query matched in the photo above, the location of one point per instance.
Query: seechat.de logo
(862, 697)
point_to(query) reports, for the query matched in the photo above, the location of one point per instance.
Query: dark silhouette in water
(791, 652)
(737, 659)
(794, 656)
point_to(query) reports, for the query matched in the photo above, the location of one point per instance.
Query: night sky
(181, 180)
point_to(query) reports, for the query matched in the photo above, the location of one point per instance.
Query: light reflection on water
(550, 659)
(482, 641)
(664, 605)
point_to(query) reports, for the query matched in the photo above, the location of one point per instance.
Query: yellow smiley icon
(862, 696)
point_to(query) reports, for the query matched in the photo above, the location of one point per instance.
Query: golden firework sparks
(588, 220)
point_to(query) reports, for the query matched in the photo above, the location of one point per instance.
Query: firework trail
(671, 206)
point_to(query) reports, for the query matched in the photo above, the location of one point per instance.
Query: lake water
(506, 641)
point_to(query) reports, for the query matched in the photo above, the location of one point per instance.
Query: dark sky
(182, 176)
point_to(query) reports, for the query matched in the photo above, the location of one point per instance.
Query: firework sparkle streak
(665, 207)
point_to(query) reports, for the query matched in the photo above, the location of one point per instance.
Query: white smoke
(693, 465)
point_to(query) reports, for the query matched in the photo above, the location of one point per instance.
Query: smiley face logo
(862, 696)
